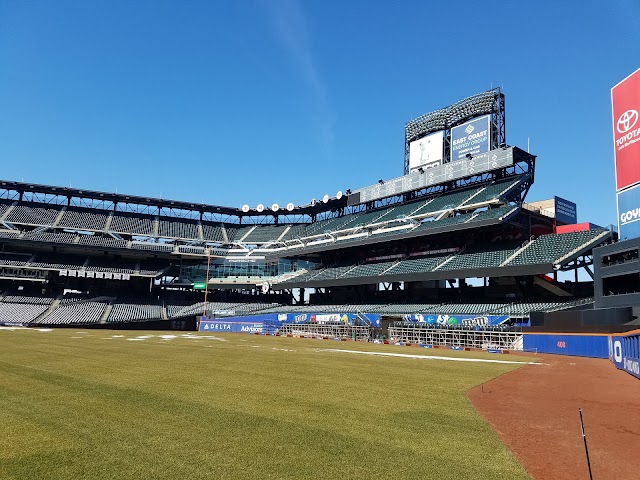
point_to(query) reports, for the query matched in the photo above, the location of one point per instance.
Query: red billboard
(625, 101)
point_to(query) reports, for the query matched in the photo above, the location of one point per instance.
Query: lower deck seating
(20, 313)
(79, 313)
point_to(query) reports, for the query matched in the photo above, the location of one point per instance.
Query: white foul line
(426, 357)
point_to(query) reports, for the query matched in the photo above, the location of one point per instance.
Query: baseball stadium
(152, 338)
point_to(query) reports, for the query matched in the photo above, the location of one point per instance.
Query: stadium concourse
(451, 243)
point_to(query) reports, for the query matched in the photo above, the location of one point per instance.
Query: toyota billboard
(625, 101)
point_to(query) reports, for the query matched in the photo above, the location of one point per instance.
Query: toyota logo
(627, 121)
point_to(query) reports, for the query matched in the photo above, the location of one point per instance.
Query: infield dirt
(535, 412)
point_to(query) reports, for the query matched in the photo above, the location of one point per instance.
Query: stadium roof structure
(22, 188)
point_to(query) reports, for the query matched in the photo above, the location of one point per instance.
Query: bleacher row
(103, 228)
(546, 249)
(80, 311)
(102, 264)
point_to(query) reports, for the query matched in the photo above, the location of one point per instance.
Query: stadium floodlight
(348, 191)
(275, 207)
(339, 194)
(290, 207)
(245, 208)
(260, 207)
(313, 202)
(325, 199)
(480, 104)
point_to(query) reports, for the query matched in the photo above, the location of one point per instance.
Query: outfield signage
(270, 323)
(624, 352)
(471, 138)
(629, 213)
(565, 211)
(199, 285)
(481, 163)
(625, 104)
(465, 320)
(426, 152)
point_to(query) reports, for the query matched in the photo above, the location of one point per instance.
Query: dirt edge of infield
(534, 410)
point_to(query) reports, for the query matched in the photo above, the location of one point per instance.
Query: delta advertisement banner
(270, 323)
(464, 320)
(625, 103)
(426, 152)
(471, 138)
(629, 213)
(566, 211)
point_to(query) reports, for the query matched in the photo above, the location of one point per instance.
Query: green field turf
(85, 405)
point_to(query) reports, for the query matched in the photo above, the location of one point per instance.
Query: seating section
(415, 265)
(482, 257)
(50, 237)
(551, 248)
(236, 234)
(15, 259)
(448, 201)
(101, 241)
(20, 313)
(111, 264)
(132, 224)
(32, 300)
(80, 313)
(264, 234)
(124, 312)
(212, 233)
(27, 215)
(79, 310)
(193, 250)
(82, 220)
(152, 246)
(492, 192)
(178, 229)
(295, 231)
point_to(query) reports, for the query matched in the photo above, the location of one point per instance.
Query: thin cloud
(293, 31)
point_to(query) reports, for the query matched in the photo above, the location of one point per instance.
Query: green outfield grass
(85, 405)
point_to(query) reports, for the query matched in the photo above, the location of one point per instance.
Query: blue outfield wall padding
(624, 352)
(594, 346)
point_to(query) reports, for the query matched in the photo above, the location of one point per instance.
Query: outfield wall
(580, 345)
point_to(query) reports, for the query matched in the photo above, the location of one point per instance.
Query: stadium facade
(450, 252)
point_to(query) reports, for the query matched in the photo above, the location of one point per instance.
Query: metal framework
(361, 332)
(456, 337)
(491, 102)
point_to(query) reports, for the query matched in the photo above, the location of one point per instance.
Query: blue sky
(262, 101)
